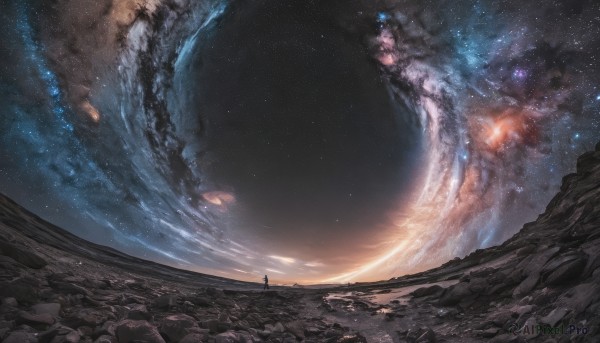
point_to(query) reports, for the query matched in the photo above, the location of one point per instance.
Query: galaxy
(314, 141)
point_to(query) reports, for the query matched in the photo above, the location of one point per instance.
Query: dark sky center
(298, 122)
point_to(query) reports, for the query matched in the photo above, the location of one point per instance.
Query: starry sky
(314, 141)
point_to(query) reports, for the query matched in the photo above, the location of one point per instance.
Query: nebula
(314, 141)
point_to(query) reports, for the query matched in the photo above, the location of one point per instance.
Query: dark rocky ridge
(56, 287)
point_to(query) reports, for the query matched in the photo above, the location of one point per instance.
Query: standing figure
(266, 282)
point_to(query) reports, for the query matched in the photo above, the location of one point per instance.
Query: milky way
(312, 141)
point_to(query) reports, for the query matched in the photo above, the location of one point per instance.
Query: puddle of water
(384, 297)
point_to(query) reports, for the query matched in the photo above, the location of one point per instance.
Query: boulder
(454, 294)
(23, 255)
(427, 337)
(425, 291)
(354, 338)
(568, 271)
(166, 301)
(20, 337)
(10, 302)
(580, 297)
(138, 312)
(296, 328)
(129, 331)
(554, 316)
(107, 339)
(50, 308)
(177, 326)
(227, 337)
(34, 319)
(194, 338)
(526, 285)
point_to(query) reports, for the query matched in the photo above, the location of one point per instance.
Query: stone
(166, 301)
(554, 316)
(489, 333)
(425, 291)
(138, 312)
(73, 337)
(107, 339)
(566, 272)
(50, 308)
(526, 285)
(34, 319)
(24, 289)
(137, 330)
(23, 255)
(427, 337)
(521, 310)
(11, 302)
(20, 337)
(580, 297)
(354, 338)
(177, 326)
(86, 317)
(193, 338)
(227, 337)
(70, 288)
(478, 285)
(278, 327)
(296, 328)
(455, 294)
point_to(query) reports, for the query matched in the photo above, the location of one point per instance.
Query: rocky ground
(542, 285)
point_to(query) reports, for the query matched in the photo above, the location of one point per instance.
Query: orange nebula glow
(91, 111)
(219, 198)
(511, 126)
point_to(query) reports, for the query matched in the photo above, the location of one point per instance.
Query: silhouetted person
(266, 282)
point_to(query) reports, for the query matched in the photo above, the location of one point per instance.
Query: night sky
(314, 141)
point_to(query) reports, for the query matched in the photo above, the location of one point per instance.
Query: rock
(108, 339)
(23, 255)
(24, 289)
(296, 328)
(478, 285)
(227, 337)
(193, 338)
(73, 337)
(521, 310)
(534, 263)
(489, 333)
(34, 319)
(70, 288)
(202, 301)
(11, 302)
(425, 291)
(566, 272)
(500, 318)
(455, 294)
(355, 338)
(554, 316)
(50, 308)
(56, 332)
(166, 301)
(177, 326)
(20, 337)
(137, 330)
(580, 297)
(86, 317)
(278, 327)
(427, 337)
(526, 285)
(138, 312)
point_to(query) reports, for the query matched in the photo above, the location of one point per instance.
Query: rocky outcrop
(55, 287)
